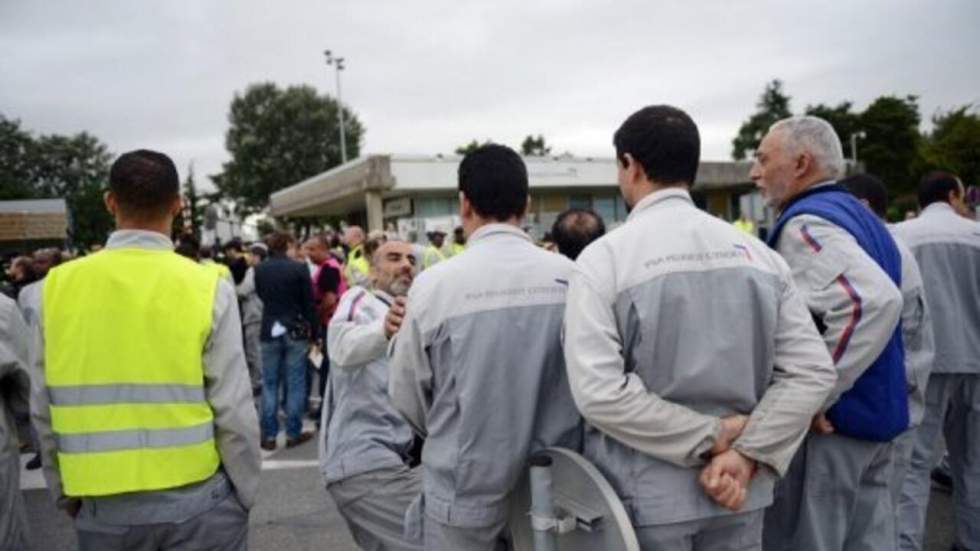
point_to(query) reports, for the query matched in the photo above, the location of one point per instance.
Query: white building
(418, 193)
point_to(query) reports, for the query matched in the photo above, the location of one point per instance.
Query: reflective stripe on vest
(124, 332)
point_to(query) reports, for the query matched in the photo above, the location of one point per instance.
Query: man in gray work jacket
(477, 364)
(917, 337)
(14, 390)
(848, 268)
(366, 445)
(947, 247)
(678, 325)
(210, 513)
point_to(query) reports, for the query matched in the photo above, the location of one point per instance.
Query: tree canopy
(74, 167)
(534, 146)
(278, 137)
(772, 106)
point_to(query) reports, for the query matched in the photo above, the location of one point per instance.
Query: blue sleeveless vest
(876, 407)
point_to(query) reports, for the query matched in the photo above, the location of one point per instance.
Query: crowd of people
(737, 394)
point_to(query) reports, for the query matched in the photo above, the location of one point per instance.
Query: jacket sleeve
(803, 377)
(616, 402)
(41, 415)
(15, 383)
(409, 371)
(229, 393)
(846, 291)
(356, 335)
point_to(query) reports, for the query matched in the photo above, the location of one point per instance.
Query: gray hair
(815, 136)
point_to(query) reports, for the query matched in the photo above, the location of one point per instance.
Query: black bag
(299, 329)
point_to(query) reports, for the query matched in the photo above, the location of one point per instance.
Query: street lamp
(854, 145)
(338, 62)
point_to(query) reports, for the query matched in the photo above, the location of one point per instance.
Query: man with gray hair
(836, 493)
(365, 445)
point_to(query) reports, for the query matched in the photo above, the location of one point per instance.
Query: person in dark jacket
(289, 324)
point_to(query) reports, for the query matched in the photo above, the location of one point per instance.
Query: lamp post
(854, 145)
(338, 62)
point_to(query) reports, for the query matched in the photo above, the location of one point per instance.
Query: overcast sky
(427, 76)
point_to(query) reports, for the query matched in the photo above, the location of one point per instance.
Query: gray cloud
(425, 77)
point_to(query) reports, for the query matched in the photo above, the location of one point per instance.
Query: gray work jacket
(227, 390)
(251, 303)
(477, 367)
(674, 320)
(917, 336)
(947, 247)
(362, 431)
(14, 391)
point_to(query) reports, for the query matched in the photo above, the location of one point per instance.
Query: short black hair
(279, 242)
(869, 188)
(494, 179)
(188, 246)
(935, 187)
(144, 182)
(665, 142)
(574, 229)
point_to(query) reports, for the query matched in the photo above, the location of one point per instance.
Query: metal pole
(854, 147)
(340, 113)
(542, 505)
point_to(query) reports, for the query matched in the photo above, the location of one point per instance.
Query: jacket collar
(939, 208)
(139, 239)
(659, 197)
(490, 231)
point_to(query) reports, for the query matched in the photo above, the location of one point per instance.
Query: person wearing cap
(477, 367)
(14, 390)
(433, 254)
(366, 447)
(251, 306)
(848, 268)
(690, 353)
(148, 433)
(947, 246)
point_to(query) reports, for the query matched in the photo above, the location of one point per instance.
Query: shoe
(303, 437)
(34, 463)
(269, 445)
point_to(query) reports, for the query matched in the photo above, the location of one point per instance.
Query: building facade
(417, 194)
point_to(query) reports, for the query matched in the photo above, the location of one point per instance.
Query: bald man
(366, 445)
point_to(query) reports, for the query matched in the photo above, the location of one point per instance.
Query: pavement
(295, 513)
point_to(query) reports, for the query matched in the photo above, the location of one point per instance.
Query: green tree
(534, 147)
(890, 149)
(773, 105)
(16, 146)
(279, 137)
(466, 149)
(845, 121)
(954, 144)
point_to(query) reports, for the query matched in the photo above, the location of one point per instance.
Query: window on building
(605, 207)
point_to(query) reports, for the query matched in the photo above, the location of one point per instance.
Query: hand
(73, 507)
(727, 477)
(396, 314)
(731, 428)
(821, 425)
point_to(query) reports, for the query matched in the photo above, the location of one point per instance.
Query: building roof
(34, 206)
(342, 188)
(34, 219)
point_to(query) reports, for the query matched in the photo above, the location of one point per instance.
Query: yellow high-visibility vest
(357, 268)
(124, 332)
(218, 268)
(431, 256)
